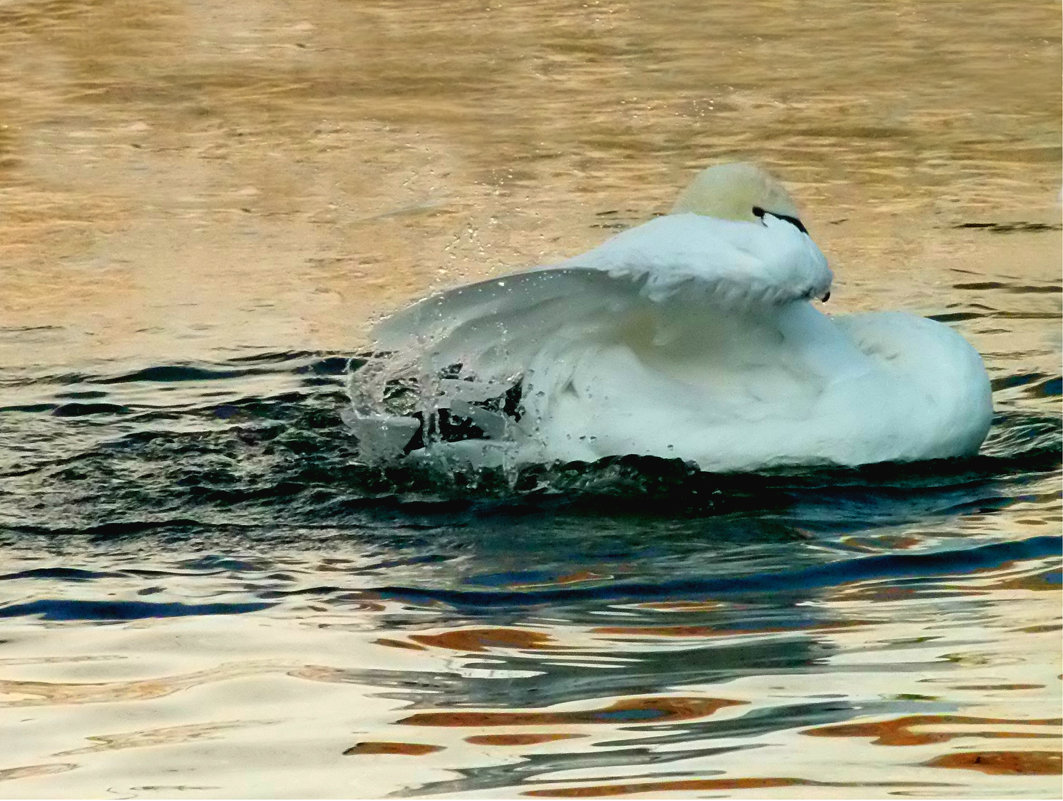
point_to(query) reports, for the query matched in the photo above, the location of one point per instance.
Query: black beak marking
(759, 213)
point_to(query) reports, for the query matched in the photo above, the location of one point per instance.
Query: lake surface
(203, 594)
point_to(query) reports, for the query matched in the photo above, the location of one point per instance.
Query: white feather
(693, 337)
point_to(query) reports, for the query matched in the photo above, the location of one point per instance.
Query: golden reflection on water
(185, 180)
(912, 730)
(523, 738)
(1047, 763)
(195, 723)
(475, 640)
(656, 709)
(182, 178)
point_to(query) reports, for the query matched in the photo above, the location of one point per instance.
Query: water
(203, 594)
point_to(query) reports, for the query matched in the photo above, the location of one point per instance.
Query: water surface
(203, 594)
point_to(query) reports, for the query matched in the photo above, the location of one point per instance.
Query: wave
(182, 449)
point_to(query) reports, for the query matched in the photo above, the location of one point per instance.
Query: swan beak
(826, 296)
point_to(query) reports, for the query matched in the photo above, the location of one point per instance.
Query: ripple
(524, 738)
(1011, 227)
(1023, 763)
(403, 749)
(900, 730)
(583, 617)
(89, 409)
(48, 609)
(33, 771)
(144, 738)
(479, 640)
(656, 709)
(59, 573)
(885, 566)
(705, 785)
(683, 631)
(41, 693)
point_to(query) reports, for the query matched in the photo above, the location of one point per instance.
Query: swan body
(692, 336)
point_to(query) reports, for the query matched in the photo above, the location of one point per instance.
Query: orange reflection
(628, 710)
(477, 640)
(1028, 763)
(518, 739)
(899, 731)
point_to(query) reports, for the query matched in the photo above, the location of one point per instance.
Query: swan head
(740, 192)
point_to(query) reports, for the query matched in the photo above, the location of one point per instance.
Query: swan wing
(691, 307)
(726, 266)
(496, 325)
(730, 264)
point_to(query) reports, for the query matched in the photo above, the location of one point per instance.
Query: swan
(692, 336)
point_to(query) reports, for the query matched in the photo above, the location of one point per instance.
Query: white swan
(691, 336)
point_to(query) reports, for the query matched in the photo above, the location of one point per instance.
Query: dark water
(231, 491)
(200, 450)
(203, 594)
